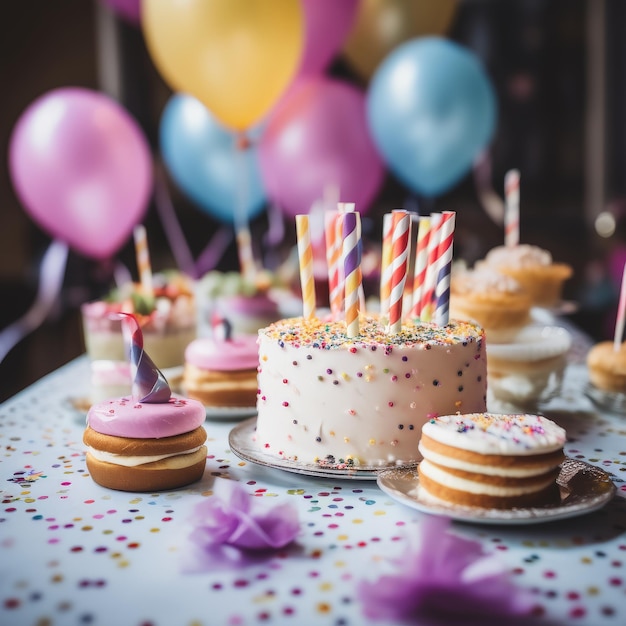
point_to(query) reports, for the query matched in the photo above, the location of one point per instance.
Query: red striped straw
(421, 262)
(332, 233)
(511, 208)
(401, 224)
(305, 255)
(427, 304)
(444, 269)
(621, 310)
(143, 259)
(352, 270)
(385, 266)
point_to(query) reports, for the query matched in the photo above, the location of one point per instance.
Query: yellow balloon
(235, 56)
(381, 25)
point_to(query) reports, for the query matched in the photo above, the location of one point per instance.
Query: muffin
(495, 301)
(607, 367)
(489, 460)
(533, 268)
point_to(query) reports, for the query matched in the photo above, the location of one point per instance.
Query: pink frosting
(124, 417)
(239, 353)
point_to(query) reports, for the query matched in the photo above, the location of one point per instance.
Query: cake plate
(241, 441)
(583, 488)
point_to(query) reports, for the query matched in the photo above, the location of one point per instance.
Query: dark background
(557, 66)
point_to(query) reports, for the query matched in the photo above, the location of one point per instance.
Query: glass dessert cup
(528, 371)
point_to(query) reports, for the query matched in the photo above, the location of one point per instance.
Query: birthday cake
(491, 460)
(325, 398)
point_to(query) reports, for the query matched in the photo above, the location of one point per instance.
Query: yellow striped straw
(143, 259)
(305, 255)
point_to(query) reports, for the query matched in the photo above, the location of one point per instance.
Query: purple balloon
(130, 10)
(319, 136)
(327, 23)
(82, 168)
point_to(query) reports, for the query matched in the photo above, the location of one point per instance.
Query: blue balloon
(431, 110)
(202, 158)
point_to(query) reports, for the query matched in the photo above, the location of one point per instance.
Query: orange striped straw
(427, 305)
(511, 208)
(444, 269)
(352, 270)
(333, 261)
(143, 259)
(385, 266)
(401, 224)
(421, 262)
(305, 256)
(245, 254)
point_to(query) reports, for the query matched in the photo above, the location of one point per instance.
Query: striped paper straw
(143, 259)
(385, 264)
(352, 270)
(421, 262)
(401, 224)
(333, 261)
(444, 268)
(427, 304)
(621, 311)
(511, 210)
(245, 254)
(305, 256)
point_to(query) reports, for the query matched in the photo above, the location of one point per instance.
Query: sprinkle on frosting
(324, 335)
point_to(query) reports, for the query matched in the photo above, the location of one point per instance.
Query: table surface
(72, 552)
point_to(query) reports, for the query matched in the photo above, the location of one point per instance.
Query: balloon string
(172, 228)
(51, 274)
(247, 262)
(214, 250)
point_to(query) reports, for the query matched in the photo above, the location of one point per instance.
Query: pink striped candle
(143, 259)
(333, 260)
(511, 208)
(401, 224)
(421, 262)
(621, 311)
(305, 255)
(427, 304)
(385, 265)
(444, 268)
(352, 270)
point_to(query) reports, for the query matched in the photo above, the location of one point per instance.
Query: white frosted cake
(328, 399)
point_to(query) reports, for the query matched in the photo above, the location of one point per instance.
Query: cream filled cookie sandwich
(149, 441)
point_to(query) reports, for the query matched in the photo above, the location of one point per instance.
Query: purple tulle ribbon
(448, 581)
(149, 385)
(235, 528)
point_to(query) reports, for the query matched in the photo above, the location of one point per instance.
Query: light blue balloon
(202, 158)
(431, 110)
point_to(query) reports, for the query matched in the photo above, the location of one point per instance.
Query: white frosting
(490, 433)
(523, 255)
(134, 461)
(451, 481)
(488, 470)
(484, 280)
(362, 400)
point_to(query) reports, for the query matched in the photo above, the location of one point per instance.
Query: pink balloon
(130, 10)
(327, 23)
(319, 136)
(82, 168)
